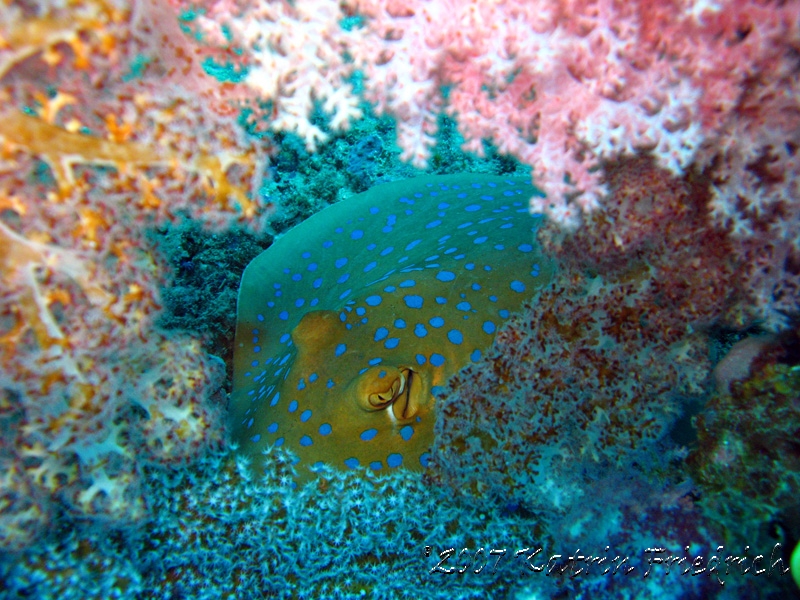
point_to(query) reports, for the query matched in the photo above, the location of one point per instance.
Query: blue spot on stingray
(408, 283)
(306, 441)
(283, 316)
(297, 277)
(260, 317)
(357, 234)
(301, 385)
(370, 266)
(455, 336)
(312, 267)
(351, 462)
(345, 294)
(293, 406)
(420, 331)
(488, 327)
(325, 429)
(441, 300)
(503, 313)
(361, 311)
(279, 442)
(476, 286)
(389, 289)
(330, 383)
(373, 300)
(368, 434)
(413, 244)
(305, 415)
(317, 282)
(433, 224)
(313, 377)
(376, 465)
(394, 460)
(340, 349)
(343, 278)
(340, 262)
(249, 423)
(525, 248)
(381, 333)
(480, 240)
(327, 244)
(391, 343)
(472, 207)
(274, 401)
(517, 286)
(475, 356)
(386, 251)
(375, 361)
(436, 321)
(413, 301)
(400, 324)
(257, 349)
(464, 305)
(273, 428)
(421, 359)
(445, 276)
(437, 360)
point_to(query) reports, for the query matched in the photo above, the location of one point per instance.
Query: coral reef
(218, 532)
(747, 457)
(93, 151)
(670, 130)
(592, 371)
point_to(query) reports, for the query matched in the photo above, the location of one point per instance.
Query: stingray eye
(381, 387)
(379, 400)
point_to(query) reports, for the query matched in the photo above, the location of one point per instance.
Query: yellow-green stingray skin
(347, 323)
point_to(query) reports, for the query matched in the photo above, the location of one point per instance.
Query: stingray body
(347, 323)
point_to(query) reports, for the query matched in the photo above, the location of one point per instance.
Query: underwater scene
(400, 299)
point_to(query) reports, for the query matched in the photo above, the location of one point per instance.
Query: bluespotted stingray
(348, 323)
